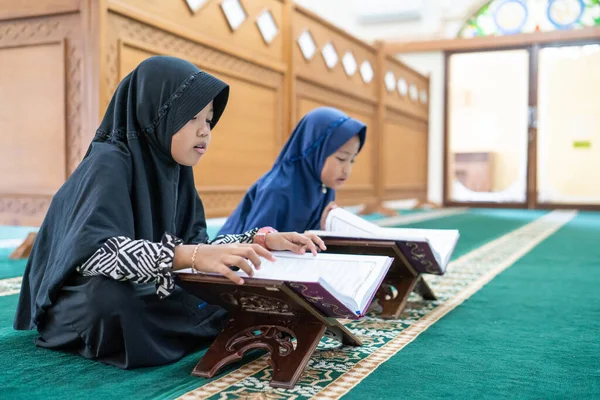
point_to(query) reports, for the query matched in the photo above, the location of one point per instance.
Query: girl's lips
(200, 148)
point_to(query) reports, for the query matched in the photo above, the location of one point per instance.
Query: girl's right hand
(219, 258)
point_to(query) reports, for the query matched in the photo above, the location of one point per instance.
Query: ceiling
(396, 20)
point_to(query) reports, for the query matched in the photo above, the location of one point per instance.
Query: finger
(297, 248)
(229, 274)
(306, 243)
(311, 245)
(249, 253)
(240, 262)
(262, 252)
(316, 240)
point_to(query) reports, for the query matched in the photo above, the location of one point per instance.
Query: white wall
(432, 64)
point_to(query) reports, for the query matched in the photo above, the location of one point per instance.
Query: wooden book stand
(400, 280)
(427, 204)
(24, 249)
(267, 315)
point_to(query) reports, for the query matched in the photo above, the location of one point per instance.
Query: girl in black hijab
(99, 278)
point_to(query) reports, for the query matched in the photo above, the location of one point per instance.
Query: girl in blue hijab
(298, 192)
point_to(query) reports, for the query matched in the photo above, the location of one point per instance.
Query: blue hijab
(290, 196)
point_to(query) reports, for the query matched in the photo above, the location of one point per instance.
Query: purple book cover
(327, 303)
(418, 254)
(324, 301)
(421, 258)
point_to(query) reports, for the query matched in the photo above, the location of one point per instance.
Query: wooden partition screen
(404, 115)
(43, 112)
(331, 68)
(61, 61)
(249, 136)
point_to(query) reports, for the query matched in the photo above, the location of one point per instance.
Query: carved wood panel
(404, 159)
(34, 130)
(132, 31)
(405, 90)
(219, 202)
(30, 208)
(211, 22)
(247, 139)
(313, 65)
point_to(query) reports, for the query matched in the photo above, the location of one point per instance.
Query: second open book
(339, 285)
(427, 250)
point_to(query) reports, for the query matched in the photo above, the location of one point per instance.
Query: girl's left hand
(326, 211)
(294, 242)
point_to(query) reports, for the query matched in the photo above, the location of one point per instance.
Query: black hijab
(128, 183)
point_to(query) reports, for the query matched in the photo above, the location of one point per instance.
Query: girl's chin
(336, 185)
(189, 161)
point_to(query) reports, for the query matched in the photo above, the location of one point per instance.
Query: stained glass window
(509, 17)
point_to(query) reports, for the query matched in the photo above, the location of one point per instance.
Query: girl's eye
(208, 121)
(341, 159)
(194, 118)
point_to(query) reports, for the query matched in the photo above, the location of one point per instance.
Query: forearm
(183, 257)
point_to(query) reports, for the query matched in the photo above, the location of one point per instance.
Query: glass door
(487, 113)
(568, 136)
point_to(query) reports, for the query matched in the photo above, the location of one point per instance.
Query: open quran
(427, 250)
(339, 285)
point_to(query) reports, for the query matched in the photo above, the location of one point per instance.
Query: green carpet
(10, 268)
(533, 332)
(376, 216)
(29, 372)
(479, 226)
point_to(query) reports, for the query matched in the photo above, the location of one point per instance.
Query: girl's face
(338, 166)
(191, 142)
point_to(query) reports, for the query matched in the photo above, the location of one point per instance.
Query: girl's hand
(294, 242)
(329, 207)
(219, 258)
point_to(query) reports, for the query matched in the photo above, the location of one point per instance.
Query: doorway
(521, 127)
